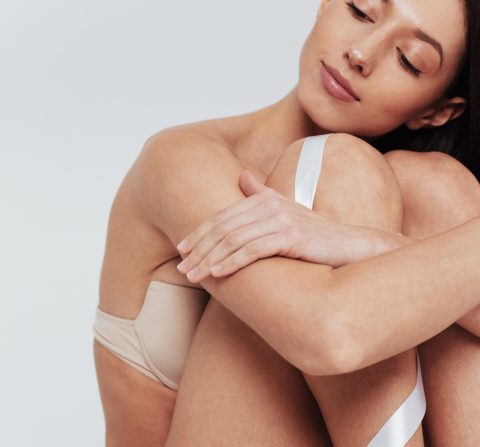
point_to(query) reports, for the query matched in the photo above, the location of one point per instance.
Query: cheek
(391, 96)
(398, 100)
(325, 37)
(392, 106)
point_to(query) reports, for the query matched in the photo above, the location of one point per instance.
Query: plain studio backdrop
(82, 85)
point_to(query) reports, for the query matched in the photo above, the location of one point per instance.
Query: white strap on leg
(308, 169)
(403, 424)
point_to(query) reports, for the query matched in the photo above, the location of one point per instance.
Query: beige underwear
(156, 343)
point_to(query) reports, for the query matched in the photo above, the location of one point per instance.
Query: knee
(436, 184)
(350, 155)
(358, 184)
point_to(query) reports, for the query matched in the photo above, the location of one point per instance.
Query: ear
(445, 110)
(322, 5)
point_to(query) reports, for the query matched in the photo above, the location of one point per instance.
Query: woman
(377, 46)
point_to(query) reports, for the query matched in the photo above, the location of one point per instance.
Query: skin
(147, 201)
(378, 74)
(340, 183)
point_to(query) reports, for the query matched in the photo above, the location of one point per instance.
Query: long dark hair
(460, 137)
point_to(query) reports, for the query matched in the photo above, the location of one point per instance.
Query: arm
(323, 321)
(317, 239)
(384, 242)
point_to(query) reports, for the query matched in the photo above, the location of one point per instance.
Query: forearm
(366, 311)
(366, 242)
(322, 320)
(382, 242)
(287, 302)
(412, 293)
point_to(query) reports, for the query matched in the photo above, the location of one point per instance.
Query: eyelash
(404, 62)
(407, 65)
(358, 12)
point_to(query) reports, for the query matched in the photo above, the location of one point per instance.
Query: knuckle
(274, 203)
(284, 218)
(219, 229)
(193, 259)
(268, 193)
(232, 240)
(253, 248)
(220, 216)
(209, 262)
(294, 234)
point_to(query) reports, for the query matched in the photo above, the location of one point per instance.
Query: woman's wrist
(369, 242)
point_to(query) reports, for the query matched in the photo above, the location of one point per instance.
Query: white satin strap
(403, 424)
(308, 169)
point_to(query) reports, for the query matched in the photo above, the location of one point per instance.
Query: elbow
(332, 350)
(329, 341)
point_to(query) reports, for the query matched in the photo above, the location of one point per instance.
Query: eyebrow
(422, 35)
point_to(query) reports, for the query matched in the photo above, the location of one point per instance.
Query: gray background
(82, 86)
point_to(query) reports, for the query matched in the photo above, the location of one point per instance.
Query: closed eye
(408, 65)
(358, 13)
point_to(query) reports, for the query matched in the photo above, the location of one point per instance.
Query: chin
(332, 119)
(322, 111)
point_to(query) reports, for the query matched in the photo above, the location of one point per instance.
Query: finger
(188, 243)
(259, 249)
(227, 237)
(250, 184)
(234, 242)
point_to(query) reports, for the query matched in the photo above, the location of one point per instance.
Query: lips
(337, 85)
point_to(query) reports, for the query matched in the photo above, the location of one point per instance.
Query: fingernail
(183, 265)
(183, 246)
(193, 273)
(216, 268)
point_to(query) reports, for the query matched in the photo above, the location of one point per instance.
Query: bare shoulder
(183, 175)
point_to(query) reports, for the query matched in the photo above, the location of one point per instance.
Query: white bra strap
(308, 169)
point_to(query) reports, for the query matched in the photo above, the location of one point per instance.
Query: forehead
(444, 20)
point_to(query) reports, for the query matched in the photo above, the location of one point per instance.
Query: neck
(270, 130)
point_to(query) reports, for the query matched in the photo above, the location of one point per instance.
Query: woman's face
(398, 56)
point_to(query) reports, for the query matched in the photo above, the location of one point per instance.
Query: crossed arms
(322, 320)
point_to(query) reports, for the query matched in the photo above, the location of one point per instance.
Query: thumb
(250, 184)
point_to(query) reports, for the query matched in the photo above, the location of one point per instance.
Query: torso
(136, 251)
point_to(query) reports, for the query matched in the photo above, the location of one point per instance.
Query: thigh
(138, 410)
(450, 367)
(237, 391)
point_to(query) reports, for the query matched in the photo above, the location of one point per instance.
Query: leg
(262, 387)
(450, 364)
(357, 186)
(137, 409)
(447, 196)
(237, 391)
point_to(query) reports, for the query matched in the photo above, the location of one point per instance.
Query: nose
(364, 50)
(358, 60)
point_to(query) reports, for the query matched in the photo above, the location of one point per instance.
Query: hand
(262, 225)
